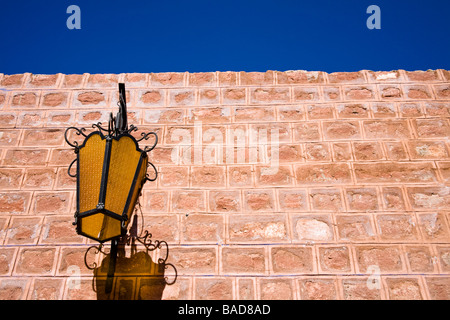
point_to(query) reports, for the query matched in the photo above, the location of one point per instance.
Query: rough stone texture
(352, 203)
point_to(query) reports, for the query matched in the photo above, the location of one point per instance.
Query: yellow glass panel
(90, 166)
(123, 165)
(136, 190)
(101, 226)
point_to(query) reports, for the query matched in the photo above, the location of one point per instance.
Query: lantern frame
(117, 129)
(100, 208)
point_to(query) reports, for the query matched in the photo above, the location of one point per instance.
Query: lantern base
(100, 225)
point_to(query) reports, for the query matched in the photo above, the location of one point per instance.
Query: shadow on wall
(136, 277)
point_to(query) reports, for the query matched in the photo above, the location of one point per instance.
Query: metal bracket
(121, 118)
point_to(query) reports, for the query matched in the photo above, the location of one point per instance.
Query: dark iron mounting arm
(121, 118)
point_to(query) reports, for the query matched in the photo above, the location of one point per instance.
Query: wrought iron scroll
(79, 131)
(154, 169)
(73, 144)
(97, 249)
(70, 167)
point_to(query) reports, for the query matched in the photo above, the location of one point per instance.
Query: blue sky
(214, 35)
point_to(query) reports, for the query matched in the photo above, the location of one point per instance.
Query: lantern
(110, 170)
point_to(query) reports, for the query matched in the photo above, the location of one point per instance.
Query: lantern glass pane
(90, 172)
(101, 226)
(137, 188)
(123, 164)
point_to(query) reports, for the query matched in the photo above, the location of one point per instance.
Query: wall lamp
(111, 170)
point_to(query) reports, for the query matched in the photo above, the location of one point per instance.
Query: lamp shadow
(136, 277)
